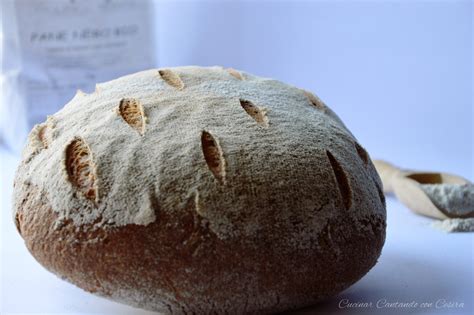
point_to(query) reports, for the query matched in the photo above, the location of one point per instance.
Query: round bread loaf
(197, 190)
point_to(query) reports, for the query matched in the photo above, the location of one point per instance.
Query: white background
(399, 73)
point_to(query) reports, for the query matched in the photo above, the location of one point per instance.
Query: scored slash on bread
(81, 169)
(131, 111)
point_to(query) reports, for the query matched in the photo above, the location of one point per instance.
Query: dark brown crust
(178, 260)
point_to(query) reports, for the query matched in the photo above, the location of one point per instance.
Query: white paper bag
(52, 48)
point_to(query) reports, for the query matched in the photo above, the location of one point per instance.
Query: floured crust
(206, 179)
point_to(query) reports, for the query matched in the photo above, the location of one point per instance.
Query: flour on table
(455, 225)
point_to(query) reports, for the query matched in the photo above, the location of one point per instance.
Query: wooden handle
(388, 173)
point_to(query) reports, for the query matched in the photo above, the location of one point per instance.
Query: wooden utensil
(405, 185)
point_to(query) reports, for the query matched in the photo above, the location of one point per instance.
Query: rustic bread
(200, 190)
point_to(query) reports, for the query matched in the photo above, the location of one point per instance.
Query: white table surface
(418, 264)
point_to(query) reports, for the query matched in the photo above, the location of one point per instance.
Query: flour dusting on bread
(197, 136)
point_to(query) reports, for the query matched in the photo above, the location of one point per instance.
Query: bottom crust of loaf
(177, 265)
